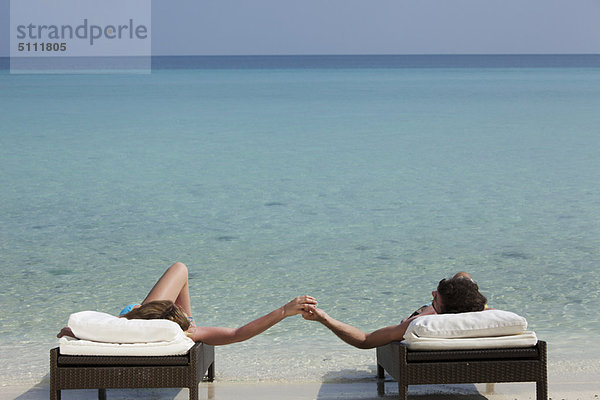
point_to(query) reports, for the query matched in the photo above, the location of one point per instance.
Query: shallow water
(363, 187)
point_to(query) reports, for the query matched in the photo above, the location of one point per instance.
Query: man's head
(458, 294)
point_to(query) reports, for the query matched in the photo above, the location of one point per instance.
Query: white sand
(366, 390)
(567, 381)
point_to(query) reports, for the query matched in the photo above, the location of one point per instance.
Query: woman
(170, 299)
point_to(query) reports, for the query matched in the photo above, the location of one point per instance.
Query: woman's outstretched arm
(219, 336)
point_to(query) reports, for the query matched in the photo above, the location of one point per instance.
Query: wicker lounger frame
(463, 366)
(105, 372)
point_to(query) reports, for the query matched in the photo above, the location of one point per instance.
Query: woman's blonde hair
(160, 309)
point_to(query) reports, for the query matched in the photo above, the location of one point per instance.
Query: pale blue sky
(236, 27)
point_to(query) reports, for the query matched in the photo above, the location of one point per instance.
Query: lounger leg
(541, 388)
(380, 387)
(193, 392)
(402, 391)
(101, 394)
(380, 372)
(211, 372)
(54, 393)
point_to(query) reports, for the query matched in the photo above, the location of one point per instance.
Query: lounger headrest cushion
(101, 327)
(471, 324)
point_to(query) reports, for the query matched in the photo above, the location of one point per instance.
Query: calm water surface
(361, 186)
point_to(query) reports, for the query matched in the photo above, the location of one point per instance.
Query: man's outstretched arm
(355, 336)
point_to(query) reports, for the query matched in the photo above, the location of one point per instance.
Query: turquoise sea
(360, 181)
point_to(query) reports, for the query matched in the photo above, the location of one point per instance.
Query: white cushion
(101, 327)
(76, 347)
(467, 325)
(523, 339)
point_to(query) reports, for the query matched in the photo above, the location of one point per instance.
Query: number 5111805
(42, 46)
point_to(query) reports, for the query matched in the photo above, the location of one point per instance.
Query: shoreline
(359, 366)
(246, 363)
(573, 384)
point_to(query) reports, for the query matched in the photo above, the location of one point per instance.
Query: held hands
(307, 306)
(312, 313)
(299, 305)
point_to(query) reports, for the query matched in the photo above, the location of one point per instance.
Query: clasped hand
(305, 305)
(299, 305)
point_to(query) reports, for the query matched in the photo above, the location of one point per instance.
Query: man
(455, 295)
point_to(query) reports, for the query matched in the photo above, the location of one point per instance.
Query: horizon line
(357, 55)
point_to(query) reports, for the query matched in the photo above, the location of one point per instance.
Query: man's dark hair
(460, 294)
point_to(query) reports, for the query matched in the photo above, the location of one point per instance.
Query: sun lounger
(174, 361)
(106, 372)
(465, 353)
